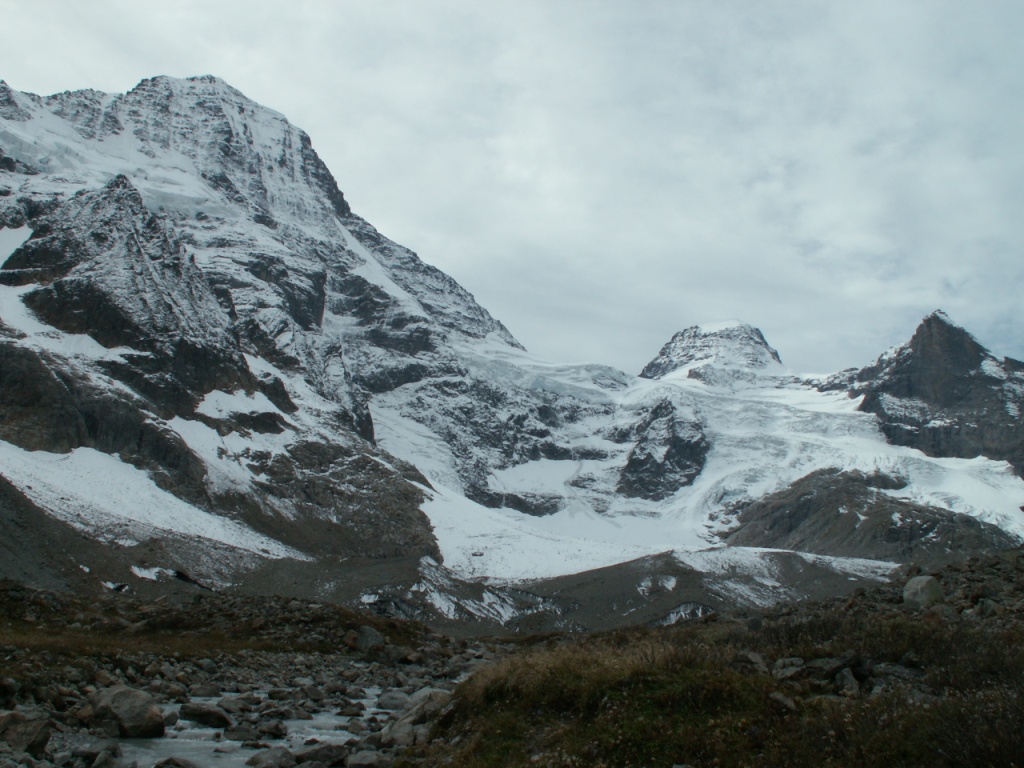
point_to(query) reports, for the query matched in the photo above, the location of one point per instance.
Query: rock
(236, 705)
(205, 714)
(275, 729)
(368, 759)
(91, 749)
(135, 712)
(398, 734)
(8, 691)
(786, 668)
(328, 754)
(393, 700)
(312, 692)
(847, 683)
(825, 668)
(275, 757)
(426, 703)
(175, 762)
(921, 592)
(781, 702)
(368, 639)
(25, 734)
(205, 691)
(241, 732)
(750, 663)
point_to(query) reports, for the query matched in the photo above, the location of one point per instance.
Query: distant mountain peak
(725, 344)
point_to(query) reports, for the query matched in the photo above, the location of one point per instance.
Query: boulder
(135, 712)
(205, 714)
(393, 700)
(328, 754)
(921, 592)
(25, 734)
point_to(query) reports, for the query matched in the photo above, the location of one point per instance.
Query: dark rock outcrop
(108, 268)
(668, 455)
(945, 394)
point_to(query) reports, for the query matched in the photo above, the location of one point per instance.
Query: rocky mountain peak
(729, 344)
(936, 365)
(939, 391)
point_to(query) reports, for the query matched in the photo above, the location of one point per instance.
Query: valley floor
(864, 680)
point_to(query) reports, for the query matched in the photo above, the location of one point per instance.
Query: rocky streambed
(357, 696)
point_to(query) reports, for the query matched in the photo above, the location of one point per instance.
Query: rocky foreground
(928, 670)
(233, 681)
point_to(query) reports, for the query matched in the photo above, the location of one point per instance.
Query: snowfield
(763, 439)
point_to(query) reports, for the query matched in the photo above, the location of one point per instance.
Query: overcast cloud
(601, 174)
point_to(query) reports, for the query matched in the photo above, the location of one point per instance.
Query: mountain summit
(723, 354)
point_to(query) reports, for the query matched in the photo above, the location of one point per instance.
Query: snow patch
(152, 574)
(11, 240)
(117, 502)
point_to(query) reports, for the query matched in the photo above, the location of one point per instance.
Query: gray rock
(782, 702)
(241, 733)
(205, 714)
(275, 729)
(921, 592)
(847, 683)
(328, 754)
(8, 690)
(751, 663)
(275, 757)
(426, 703)
(135, 712)
(393, 700)
(784, 669)
(368, 759)
(205, 690)
(368, 639)
(25, 734)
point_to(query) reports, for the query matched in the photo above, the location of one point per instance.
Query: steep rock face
(668, 455)
(106, 267)
(945, 394)
(853, 514)
(202, 270)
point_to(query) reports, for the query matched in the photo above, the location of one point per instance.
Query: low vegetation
(860, 683)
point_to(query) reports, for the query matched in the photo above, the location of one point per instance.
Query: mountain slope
(207, 356)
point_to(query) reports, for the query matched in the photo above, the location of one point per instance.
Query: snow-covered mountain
(210, 367)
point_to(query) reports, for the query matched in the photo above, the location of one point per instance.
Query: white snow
(116, 502)
(218, 404)
(763, 439)
(14, 314)
(11, 240)
(151, 574)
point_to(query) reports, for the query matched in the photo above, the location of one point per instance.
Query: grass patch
(677, 696)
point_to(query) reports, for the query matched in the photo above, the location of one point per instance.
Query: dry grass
(666, 697)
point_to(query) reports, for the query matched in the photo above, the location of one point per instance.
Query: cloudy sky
(603, 173)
